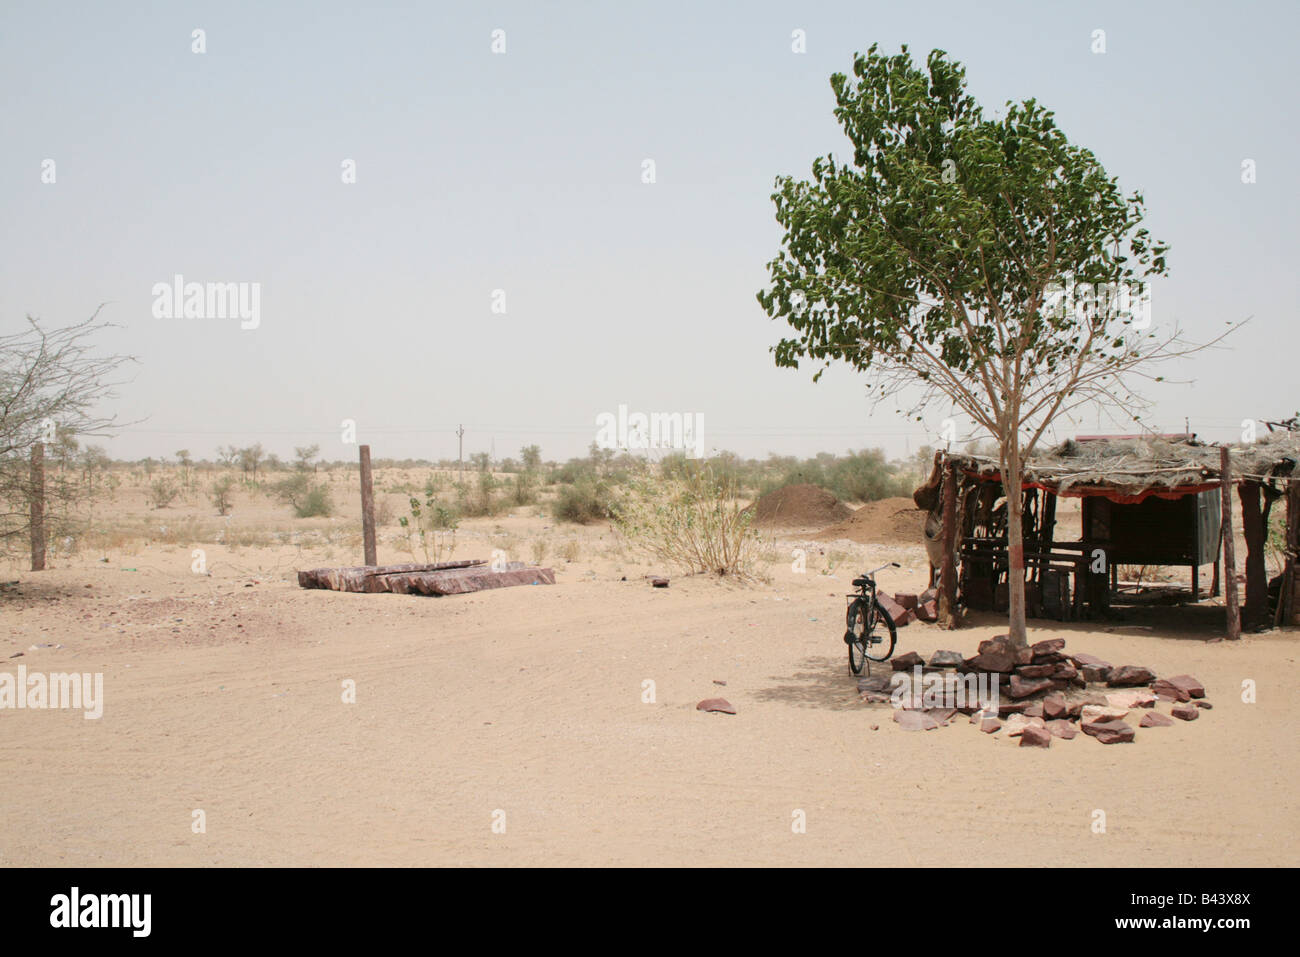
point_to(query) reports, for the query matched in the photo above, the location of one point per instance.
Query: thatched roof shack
(1146, 500)
(1128, 470)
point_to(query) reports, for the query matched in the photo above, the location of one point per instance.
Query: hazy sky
(522, 172)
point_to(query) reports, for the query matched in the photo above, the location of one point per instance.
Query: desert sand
(224, 693)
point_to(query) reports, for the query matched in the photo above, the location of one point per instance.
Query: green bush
(309, 499)
(222, 494)
(433, 525)
(480, 500)
(162, 493)
(316, 502)
(586, 502)
(522, 489)
(861, 476)
(694, 522)
(574, 471)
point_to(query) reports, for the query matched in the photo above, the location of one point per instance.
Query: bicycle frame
(868, 588)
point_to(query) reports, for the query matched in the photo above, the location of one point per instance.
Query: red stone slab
(441, 578)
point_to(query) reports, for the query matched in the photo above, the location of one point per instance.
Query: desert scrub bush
(573, 472)
(693, 521)
(478, 501)
(540, 546)
(162, 492)
(221, 494)
(570, 550)
(866, 476)
(432, 526)
(522, 489)
(858, 476)
(585, 502)
(316, 503)
(309, 499)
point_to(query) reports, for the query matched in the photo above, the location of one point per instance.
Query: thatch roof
(1135, 467)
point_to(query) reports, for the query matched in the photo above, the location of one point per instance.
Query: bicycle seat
(859, 582)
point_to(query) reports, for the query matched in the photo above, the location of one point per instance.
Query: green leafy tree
(987, 264)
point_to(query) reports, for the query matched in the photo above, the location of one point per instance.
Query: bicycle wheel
(856, 636)
(880, 643)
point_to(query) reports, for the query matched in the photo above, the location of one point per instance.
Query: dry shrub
(693, 521)
(162, 493)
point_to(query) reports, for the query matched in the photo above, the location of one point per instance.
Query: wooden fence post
(1229, 547)
(368, 507)
(36, 503)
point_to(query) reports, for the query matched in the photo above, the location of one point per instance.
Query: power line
(384, 430)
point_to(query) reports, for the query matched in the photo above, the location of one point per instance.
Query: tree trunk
(1015, 543)
(951, 531)
(36, 505)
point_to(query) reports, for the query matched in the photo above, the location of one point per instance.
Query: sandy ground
(223, 693)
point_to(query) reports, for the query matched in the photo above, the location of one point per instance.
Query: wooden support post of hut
(1218, 560)
(36, 507)
(1229, 548)
(1253, 518)
(368, 508)
(948, 574)
(1288, 599)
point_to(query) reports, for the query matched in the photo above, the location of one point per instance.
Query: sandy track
(529, 700)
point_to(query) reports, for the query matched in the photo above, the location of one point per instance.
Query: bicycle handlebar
(883, 567)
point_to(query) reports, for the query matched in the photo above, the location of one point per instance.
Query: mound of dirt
(799, 506)
(890, 521)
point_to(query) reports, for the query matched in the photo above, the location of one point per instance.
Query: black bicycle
(865, 614)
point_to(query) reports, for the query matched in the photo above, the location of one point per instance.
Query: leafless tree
(52, 384)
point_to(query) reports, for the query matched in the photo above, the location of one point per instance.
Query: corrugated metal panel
(1209, 516)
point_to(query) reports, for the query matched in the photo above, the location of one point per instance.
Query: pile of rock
(1043, 693)
(907, 607)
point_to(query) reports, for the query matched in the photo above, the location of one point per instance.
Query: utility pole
(460, 452)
